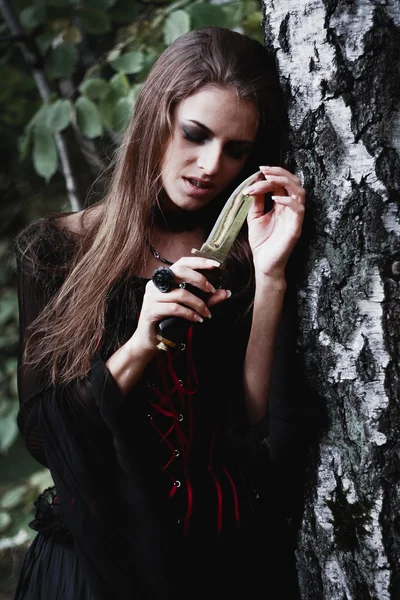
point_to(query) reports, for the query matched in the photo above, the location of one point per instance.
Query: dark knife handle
(172, 331)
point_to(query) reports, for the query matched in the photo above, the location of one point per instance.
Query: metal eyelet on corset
(150, 384)
(180, 418)
(177, 483)
(180, 382)
(150, 417)
(182, 346)
(176, 452)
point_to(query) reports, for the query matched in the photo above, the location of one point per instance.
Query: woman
(160, 459)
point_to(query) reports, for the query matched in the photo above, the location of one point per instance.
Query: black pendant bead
(164, 279)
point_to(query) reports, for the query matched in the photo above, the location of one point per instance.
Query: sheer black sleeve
(78, 431)
(34, 383)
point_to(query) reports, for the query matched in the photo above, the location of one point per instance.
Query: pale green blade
(229, 222)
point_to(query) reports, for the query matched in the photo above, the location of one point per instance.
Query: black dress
(165, 493)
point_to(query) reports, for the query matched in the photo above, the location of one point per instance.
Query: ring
(182, 285)
(163, 278)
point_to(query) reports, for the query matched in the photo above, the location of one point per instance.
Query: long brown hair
(66, 334)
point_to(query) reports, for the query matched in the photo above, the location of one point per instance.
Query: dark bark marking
(388, 169)
(377, 83)
(365, 364)
(284, 32)
(349, 519)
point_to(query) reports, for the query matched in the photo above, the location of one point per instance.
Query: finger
(259, 188)
(257, 208)
(218, 297)
(277, 182)
(196, 262)
(193, 277)
(281, 171)
(183, 296)
(290, 201)
(175, 309)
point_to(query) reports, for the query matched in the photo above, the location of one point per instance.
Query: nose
(209, 159)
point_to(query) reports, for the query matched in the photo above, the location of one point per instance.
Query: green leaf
(131, 62)
(114, 54)
(119, 88)
(8, 307)
(62, 60)
(8, 430)
(94, 20)
(94, 88)
(45, 158)
(234, 14)
(120, 85)
(13, 497)
(5, 521)
(176, 25)
(11, 365)
(40, 117)
(72, 35)
(41, 479)
(45, 40)
(252, 26)
(125, 11)
(202, 15)
(122, 114)
(135, 91)
(149, 60)
(60, 115)
(88, 117)
(32, 16)
(106, 107)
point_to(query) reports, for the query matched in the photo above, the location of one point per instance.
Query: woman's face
(213, 132)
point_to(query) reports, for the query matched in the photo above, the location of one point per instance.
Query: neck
(172, 245)
(177, 221)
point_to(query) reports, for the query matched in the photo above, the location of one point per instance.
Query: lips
(200, 184)
(198, 188)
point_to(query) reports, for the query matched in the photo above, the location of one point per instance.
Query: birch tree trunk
(339, 61)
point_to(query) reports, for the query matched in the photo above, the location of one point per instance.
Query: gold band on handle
(164, 344)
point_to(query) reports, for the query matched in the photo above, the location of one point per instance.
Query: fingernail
(199, 318)
(211, 288)
(248, 191)
(228, 293)
(214, 263)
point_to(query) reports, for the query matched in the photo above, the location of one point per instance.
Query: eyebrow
(245, 142)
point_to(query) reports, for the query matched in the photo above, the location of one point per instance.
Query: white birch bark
(339, 61)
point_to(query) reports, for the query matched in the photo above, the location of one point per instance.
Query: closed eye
(194, 135)
(199, 134)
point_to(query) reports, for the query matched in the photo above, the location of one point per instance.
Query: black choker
(178, 221)
(159, 257)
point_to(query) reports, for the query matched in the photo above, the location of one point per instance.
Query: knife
(171, 330)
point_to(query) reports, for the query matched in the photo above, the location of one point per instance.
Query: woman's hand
(179, 302)
(273, 235)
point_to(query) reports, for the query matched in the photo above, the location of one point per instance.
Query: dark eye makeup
(194, 134)
(234, 149)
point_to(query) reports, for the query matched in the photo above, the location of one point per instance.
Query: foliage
(16, 503)
(95, 56)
